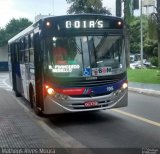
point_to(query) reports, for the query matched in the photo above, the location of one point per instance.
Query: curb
(145, 91)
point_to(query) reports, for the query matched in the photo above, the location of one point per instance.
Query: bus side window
(31, 55)
(16, 52)
(31, 50)
(26, 58)
(22, 53)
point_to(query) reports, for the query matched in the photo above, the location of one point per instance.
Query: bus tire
(37, 111)
(17, 94)
(33, 104)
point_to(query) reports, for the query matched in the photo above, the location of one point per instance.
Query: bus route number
(110, 88)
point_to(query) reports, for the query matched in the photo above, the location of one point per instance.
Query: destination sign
(84, 24)
(88, 23)
(63, 68)
(76, 23)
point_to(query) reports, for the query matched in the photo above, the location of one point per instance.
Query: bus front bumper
(71, 104)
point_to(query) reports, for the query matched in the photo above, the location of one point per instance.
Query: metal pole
(53, 6)
(141, 37)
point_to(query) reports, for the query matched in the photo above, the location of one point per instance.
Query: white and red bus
(70, 63)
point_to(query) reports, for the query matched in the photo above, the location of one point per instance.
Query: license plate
(90, 103)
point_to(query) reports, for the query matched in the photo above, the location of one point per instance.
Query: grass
(144, 75)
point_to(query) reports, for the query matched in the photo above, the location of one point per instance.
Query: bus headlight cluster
(50, 91)
(60, 96)
(125, 85)
(119, 91)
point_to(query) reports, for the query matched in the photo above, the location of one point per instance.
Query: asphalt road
(136, 126)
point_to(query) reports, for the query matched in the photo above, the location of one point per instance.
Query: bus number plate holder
(90, 104)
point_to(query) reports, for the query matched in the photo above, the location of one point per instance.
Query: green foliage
(143, 75)
(12, 28)
(149, 45)
(87, 6)
(2, 37)
(154, 61)
(128, 11)
(135, 35)
(152, 28)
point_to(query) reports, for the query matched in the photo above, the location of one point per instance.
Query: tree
(118, 8)
(87, 6)
(13, 28)
(2, 37)
(149, 45)
(129, 6)
(154, 28)
(127, 20)
(158, 30)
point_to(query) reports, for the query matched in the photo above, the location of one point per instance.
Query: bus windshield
(85, 55)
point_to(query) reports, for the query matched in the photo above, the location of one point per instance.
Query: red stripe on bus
(71, 91)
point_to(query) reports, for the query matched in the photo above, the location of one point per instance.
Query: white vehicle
(135, 61)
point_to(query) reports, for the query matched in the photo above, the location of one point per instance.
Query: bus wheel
(33, 105)
(17, 94)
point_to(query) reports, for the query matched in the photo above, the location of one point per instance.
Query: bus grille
(101, 104)
(91, 83)
(82, 96)
(87, 82)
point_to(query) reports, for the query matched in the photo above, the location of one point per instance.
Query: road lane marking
(5, 82)
(137, 117)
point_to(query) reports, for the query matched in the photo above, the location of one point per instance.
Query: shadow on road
(82, 118)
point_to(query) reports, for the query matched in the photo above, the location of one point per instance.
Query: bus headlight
(125, 85)
(50, 91)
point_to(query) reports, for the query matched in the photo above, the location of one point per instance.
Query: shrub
(154, 61)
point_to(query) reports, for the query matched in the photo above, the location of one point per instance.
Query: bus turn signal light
(46, 86)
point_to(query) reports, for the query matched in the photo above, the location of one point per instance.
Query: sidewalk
(151, 89)
(18, 129)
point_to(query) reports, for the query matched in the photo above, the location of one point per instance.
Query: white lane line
(137, 117)
(3, 86)
(4, 81)
(4, 76)
(8, 89)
